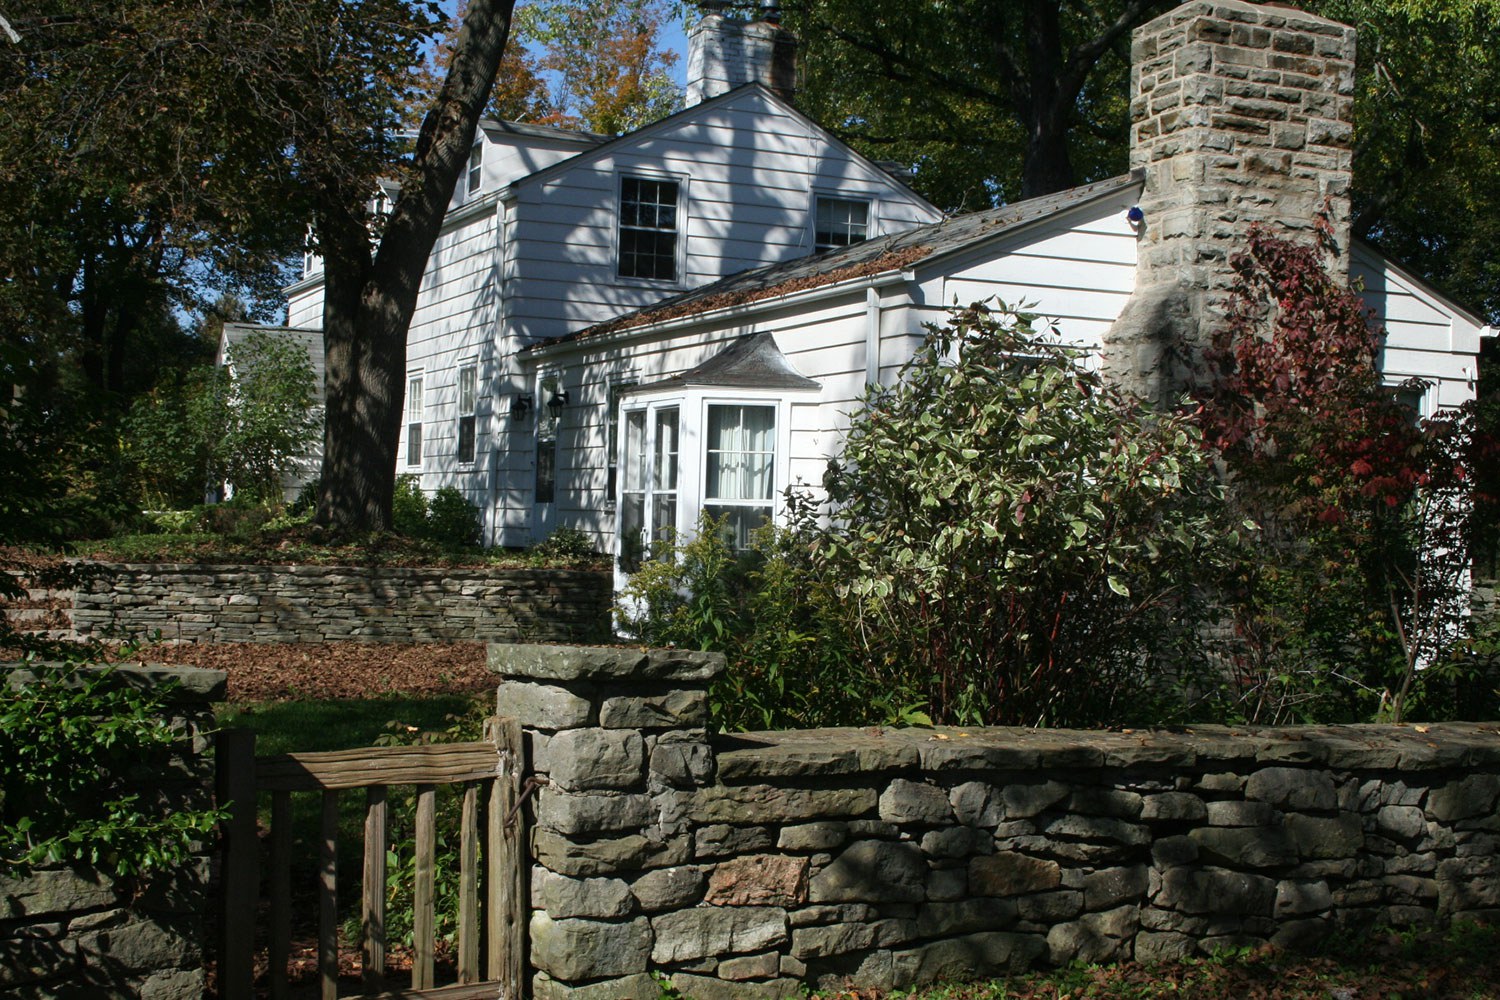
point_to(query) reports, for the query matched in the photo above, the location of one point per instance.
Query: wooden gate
(488, 770)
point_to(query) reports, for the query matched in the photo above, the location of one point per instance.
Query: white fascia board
(737, 311)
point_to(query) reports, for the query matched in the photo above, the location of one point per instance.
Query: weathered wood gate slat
(497, 927)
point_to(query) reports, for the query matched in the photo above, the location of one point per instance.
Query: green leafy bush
(452, 521)
(566, 543)
(409, 507)
(74, 743)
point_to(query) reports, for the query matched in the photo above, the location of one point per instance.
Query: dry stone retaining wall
(341, 603)
(81, 932)
(746, 866)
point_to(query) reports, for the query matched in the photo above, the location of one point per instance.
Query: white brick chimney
(1242, 113)
(725, 52)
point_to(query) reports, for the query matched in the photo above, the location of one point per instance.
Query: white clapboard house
(617, 334)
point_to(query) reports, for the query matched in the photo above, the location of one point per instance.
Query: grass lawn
(303, 726)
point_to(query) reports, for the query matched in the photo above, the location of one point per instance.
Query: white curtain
(741, 452)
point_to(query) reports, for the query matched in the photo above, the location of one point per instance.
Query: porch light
(556, 403)
(520, 405)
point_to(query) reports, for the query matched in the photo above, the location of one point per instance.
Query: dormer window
(476, 169)
(648, 228)
(838, 222)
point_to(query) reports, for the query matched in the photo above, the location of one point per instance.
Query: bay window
(740, 467)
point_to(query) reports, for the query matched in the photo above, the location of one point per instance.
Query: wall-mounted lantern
(556, 403)
(520, 405)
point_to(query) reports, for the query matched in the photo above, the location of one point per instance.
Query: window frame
(467, 418)
(616, 389)
(824, 196)
(679, 232)
(474, 173)
(546, 436)
(416, 399)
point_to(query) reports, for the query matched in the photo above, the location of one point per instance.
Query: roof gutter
(736, 311)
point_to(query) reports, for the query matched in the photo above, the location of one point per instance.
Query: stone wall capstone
(202, 603)
(81, 931)
(750, 865)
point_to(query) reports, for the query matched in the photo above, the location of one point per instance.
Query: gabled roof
(535, 131)
(751, 362)
(884, 254)
(687, 114)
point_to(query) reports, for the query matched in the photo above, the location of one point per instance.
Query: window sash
(741, 454)
(840, 222)
(475, 179)
(648, 228)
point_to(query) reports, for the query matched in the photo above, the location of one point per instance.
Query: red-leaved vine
(1363, 505)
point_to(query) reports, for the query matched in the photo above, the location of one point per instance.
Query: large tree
(370, 291)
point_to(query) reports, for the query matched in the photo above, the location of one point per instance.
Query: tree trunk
(368, 305)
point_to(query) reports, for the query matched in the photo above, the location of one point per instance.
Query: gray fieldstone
(672, 709)
(977, 803)
(1401, 822)
(947, 883)
(1301, 935)
(565, 897)
(682, 765)
(669, 888)
(766, 965)
(975, 955)
(1173, 806)
(1244, 847)
(172, 984)
(872, 871)
(1216, 891)
(1106, 802)
(56, 890)
(609, 856)
(1094, 937)
(812, 836)
(759, 880)
(1234, 812)
(906, 801)
(1169, 852)
(1099, 828)
(1112, 886)
(1050, 907)
(965, 916)
(719, 840)
(1341, 836)
(706, 988)
(575, 950)
(542, 706)
(832, 913)
(1163, 946)
(1293, 788)
(714, 931)
(1011, 874)
(601, 663)
(1023, 801)
(638, 986)
(1293, 899)
(768, 804)
(586, 759)
(955, 842)
(1465, 798)
(591, 813)
(831, 939)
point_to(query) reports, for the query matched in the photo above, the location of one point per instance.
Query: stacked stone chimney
(1242, 113)
(725, 52)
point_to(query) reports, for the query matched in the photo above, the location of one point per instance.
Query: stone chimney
(725, 52)
(1242, 113)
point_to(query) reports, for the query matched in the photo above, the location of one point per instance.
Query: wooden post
(506, 856)
(328, 910)
(281, 893)
(235, 788)
(423, 921)
(468, 888)
(372, 907)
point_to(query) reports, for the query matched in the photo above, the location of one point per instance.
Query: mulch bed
(333, 670)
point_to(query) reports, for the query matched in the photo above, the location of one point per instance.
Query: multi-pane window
(648, 494)
(546, 442)
(648, 228)
(468, 378)
(414, 420)
(617, 389)
(476, 168)
(839, 222)
(740, 471)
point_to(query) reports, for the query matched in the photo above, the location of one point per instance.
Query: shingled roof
(876, 256)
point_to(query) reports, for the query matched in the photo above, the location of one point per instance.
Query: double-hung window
(468, 380)
(740, 467)
(839, 222)
(648, 490)
(617, 389)
(414, 420)
(475, 180)
(648, 228)
(546, 440)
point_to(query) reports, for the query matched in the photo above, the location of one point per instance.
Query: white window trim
(470, 362)
(872, 220)
(683, 205)
(616, 389)
(418, 420)
(545, 431)
(692, 461)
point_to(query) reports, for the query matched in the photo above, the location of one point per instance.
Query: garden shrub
(409, 507)
(566, 543)
(1360, 577)
(452, 521)
(72, 743)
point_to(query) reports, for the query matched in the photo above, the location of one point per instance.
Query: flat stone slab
(548, 662)
(748, 757)
(190, 683)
